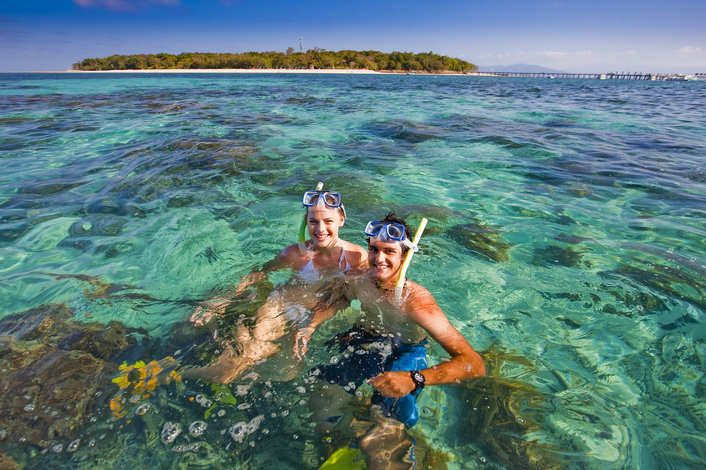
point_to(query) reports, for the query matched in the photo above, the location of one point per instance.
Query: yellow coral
(146, 380)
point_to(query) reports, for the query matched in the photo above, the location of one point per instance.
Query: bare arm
(465, 362)
(216, 305)
(334, 300)
(286, 258)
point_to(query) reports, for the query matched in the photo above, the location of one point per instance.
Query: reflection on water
(566, 241)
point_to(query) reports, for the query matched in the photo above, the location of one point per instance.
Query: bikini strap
(343, 254)
(304, 250)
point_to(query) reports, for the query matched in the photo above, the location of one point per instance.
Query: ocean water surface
(566, 241)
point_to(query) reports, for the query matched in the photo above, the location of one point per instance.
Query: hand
(301, 342)
(393, 384)
(245, 282)
(206, 311)
(248, 280)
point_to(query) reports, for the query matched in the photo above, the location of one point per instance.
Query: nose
(379, 256)
(320, 226)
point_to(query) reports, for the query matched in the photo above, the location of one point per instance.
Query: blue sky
(574, 36)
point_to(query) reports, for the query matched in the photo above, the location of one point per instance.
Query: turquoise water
(566, 240)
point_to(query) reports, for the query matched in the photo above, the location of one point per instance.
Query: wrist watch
(418, 379)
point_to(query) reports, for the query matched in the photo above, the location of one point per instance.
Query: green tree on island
(312, 59)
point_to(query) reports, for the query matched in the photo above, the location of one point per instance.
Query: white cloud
(689, 50)
(622, 54)
(493, 56)
(554, 54)
(562, 54)
(124, 5)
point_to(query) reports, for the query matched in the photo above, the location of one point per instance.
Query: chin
(382, 276)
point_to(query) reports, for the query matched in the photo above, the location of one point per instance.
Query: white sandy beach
(307, 71)
(330, 71)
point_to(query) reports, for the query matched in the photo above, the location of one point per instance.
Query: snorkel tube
(408, 259)
(302, 228)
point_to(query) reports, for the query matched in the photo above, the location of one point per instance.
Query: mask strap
(410, 245)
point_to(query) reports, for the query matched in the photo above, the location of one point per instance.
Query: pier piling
(597, 76)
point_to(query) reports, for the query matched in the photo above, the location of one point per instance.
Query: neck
(327, 250)
(386, 285)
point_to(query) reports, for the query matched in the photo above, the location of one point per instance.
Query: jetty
(597, 76)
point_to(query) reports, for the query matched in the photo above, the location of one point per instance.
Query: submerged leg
(228, 367)
(332, 407)
(386, 444)
(269, 335)
(252, 347)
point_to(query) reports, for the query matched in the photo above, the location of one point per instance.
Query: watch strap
(418, 379)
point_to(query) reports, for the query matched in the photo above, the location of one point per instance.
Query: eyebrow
(386, 248)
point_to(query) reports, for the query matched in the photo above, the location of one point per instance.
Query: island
(313, 59)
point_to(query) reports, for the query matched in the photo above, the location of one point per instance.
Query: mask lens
(395, 231)
(310, 198)
(373, 228)
(332, 199)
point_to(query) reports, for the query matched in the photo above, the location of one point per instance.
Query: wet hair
(392, 217)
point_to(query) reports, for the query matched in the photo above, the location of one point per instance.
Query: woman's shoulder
(355, 254)
(292, 254)
(352, 247)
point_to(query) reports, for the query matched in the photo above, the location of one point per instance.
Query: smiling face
(384, 259)
(323, 223)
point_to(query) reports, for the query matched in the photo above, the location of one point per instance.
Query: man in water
(387, 346)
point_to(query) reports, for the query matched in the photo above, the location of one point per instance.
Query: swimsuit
(364, 355)
(309, 272)
(296, 312)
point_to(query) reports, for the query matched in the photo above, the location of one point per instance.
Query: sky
(592, 36)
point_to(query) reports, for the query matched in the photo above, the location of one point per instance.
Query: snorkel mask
(330, 199)
(389, 231)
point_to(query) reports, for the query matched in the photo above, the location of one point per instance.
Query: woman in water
(322, 256)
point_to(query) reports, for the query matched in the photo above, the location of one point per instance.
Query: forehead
(382, 245)
(321, 211)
